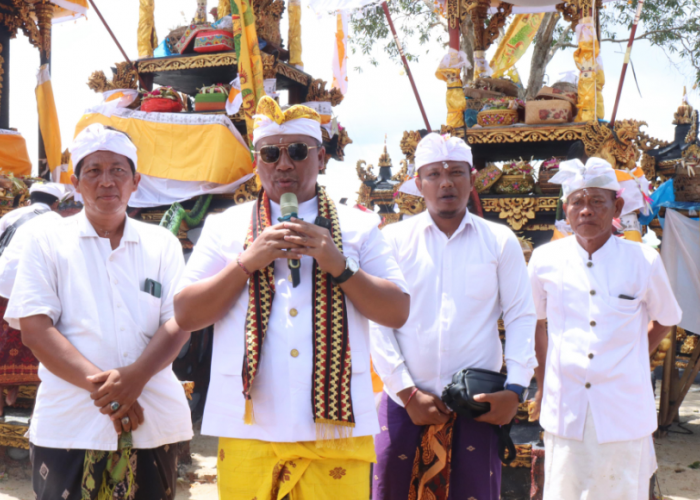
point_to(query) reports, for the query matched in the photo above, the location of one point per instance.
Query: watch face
(352, 265)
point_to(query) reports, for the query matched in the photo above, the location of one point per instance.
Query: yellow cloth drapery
(13, 154)
(249, 61)
(224, 8)
(147, 38)
(514, 44)
(294, 33)
(248, 469)
(585, 57)
(48, 120)
(182, 152)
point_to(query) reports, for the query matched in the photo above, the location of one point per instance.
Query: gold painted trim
(511, 135)
(518, 212)
(188, 62)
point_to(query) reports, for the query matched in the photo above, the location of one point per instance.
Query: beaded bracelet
(413, 393)
(240, 264)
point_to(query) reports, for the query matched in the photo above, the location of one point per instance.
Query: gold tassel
(249, 418)
(333, 434)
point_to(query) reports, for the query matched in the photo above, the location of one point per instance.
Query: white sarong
(588, 470)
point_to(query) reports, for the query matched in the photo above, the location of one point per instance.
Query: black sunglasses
(297, 151)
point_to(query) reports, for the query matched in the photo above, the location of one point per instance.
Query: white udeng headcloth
(52, 188)
(97, 137)
(574, 175)
(435, 148)
(297, 120)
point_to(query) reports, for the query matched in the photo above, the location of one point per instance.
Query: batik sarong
(18, 366)
(126, 474)
(475, 467)
(250, 469)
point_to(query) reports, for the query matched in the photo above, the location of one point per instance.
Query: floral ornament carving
(516, 211)
(408, 144)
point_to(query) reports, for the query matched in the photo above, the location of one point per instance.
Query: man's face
(106, 182)
(445, 190)
(287, 175)
(590, 212)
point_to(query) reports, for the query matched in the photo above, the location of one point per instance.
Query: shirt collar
(599, 255)
(427, 221)
(86, 230)
(38, 204)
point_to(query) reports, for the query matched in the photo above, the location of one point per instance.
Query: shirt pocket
(149, 308)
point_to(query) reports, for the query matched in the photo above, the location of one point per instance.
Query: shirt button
(588, 385)
(592, 292)
(122, 328)
(593, 323)
(116, 282)
(293, 313)
(294, 353)
(119, 305)
(589, 264)
(590, 356)
(126, 354)
(289, 278)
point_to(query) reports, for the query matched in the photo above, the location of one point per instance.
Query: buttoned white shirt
(11, 217)
(459, 288)
(281, 390)
(10, 258)
(598, 349)
(95, 297)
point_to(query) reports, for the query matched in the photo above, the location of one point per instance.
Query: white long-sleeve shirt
(597, 312)
(459, 288)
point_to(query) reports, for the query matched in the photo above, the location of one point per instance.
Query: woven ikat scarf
(332, 405)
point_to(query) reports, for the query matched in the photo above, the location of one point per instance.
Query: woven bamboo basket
(497, 117)
(514, 184)
(687, 187)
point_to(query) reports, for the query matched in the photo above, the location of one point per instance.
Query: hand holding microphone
(289, 206)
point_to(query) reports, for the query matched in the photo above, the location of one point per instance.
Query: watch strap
(344, 276)
(517, 389)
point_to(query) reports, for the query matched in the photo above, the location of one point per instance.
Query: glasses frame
(286, 148)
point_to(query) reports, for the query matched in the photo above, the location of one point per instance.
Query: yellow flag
(147, 38)
(520, 34)
(250, 68)
(48, 118)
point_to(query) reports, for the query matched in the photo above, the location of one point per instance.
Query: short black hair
(577, 151)
(79, 166)
(41, 197)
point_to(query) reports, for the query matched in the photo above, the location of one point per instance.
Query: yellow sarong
(249, 469)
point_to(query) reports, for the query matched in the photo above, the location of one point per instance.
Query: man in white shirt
(463, 273)
(93, 300)
(291, 390)
(18, 366)
(603, 304)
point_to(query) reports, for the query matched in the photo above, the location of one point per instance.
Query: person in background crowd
(18, 366)
(603, 304)
(291, 393)
(463, 273)
(93, 300)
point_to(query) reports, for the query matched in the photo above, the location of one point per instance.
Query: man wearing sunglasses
(291, 392)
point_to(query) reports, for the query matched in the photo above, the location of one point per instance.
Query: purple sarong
(476, 468)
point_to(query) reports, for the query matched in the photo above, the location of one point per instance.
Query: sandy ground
(675, 454)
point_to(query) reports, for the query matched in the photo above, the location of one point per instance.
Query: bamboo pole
(633, 32)
(385, 7)
(119, 46)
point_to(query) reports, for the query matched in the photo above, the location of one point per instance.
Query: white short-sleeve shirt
(281, 391)
(95, 297)
(597, 312)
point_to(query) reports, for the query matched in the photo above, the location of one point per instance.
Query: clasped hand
(122, 385)
(292, 240)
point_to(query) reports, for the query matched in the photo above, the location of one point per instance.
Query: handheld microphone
(289, 206)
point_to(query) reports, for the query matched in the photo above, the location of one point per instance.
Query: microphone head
(289, 204)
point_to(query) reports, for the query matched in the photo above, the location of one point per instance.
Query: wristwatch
(519, 390)
(351, 267)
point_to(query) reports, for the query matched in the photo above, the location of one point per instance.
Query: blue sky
(379, 100)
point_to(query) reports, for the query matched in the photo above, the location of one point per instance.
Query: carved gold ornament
(13, 436)
(519, 211)
(408, 144)
(409, 204)
(509, 135)
(17, 16)
(364, 195)
(125, 77)
(267, 20)
(190, 62)
(365, 174)
(317, 92)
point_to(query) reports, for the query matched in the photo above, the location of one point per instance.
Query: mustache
(285, 178)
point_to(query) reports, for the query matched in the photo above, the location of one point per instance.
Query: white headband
(265, 127)
(50, 188)
(574, 175)
(97, 137)
(435, 148)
